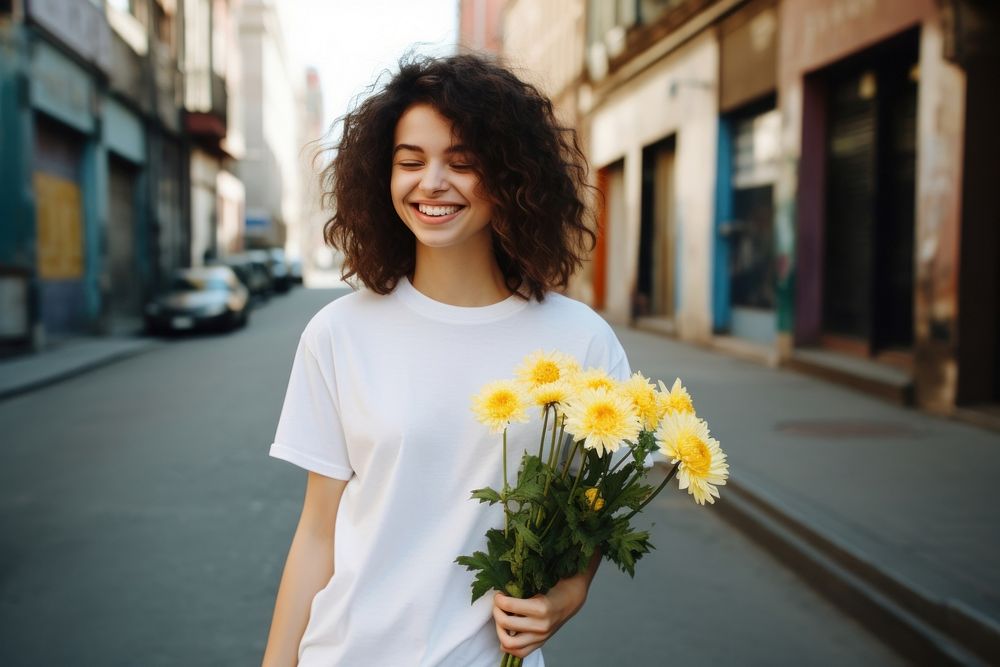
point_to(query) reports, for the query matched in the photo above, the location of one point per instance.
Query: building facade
(799, 180)
(212, 123)
(100, 139)
(480, 26)
(272, 120)
(877, 98)
(312, 249)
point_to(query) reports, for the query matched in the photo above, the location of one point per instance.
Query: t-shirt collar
(423, 304)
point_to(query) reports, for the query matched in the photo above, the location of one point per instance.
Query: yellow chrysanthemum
(594, 378)
(498, 404)
(675, 399)
(552, 393)
(541, 368)
(602, 419)
(643, 395)
(684, 438)
(593, 498)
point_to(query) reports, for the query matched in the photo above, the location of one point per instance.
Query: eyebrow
(457, 148)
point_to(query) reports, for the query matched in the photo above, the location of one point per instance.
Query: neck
(457, 279)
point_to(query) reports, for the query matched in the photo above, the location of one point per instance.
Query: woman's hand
(524, 625)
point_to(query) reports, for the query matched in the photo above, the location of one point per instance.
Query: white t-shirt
(380, 395)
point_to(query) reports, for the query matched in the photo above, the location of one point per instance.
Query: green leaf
(486, 495)
(633, 496)
(626, 546)
(527, 534)
(491, 574)
(647, 442)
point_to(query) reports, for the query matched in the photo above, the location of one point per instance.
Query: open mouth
(437, 212)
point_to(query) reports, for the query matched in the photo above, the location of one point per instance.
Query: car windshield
(196, 284)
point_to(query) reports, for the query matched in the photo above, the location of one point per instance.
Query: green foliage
(486, 495)
(552, 531)
(646, 446)
(625, 546)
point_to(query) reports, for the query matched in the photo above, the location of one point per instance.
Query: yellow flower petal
(604, 420)
(685, 439)
(552, 393)
(541, 368)
(500, 403)
(594, 378)
(593, 498)
(675, 399)
(643, 395)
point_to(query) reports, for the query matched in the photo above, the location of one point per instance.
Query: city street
(144, 524)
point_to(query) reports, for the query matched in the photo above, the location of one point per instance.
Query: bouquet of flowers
(579, 493)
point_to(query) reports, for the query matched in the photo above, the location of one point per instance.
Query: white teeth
(437, 210)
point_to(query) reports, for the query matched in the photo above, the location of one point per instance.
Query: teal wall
(17, 213)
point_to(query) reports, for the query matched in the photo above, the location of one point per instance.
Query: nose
(433, 179)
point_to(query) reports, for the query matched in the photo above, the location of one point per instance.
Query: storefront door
(870, 190)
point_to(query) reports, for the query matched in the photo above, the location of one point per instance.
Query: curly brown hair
(530, 166)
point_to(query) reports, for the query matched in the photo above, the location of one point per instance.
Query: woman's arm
(308, 568)
(535, 620)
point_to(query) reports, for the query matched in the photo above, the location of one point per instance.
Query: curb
(916, 625)
(898, 393)
(73, 371)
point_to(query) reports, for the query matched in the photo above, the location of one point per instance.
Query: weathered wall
(677, 96)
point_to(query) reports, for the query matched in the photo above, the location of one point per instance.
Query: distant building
(312, 248)
(480, 25)
(271, 101)
(213, 124)
(95, 173)
(544, 42)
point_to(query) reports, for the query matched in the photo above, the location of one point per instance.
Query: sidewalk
(888, 511)
(64, 360)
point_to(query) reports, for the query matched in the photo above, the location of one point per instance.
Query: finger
(534, 606)
(508, 640)
(500, 619)
(513, 623)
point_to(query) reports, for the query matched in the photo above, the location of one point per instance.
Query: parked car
(207, 298)
(295, 271)
(280, 269)
(276, 270)
(253, 274)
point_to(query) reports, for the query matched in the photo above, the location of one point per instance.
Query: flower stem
(552, 447)
(506, 488)
(623, 459)
(666, 480)
(572, 455)
(576, 482)
(603, 476)
(548, 468)
(545, 422)
(561, 441)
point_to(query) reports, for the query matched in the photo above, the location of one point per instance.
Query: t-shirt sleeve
(620, 369)
(310, 432)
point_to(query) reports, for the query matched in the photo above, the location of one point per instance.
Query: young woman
(459, 208)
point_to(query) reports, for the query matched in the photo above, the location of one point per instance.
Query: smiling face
(434, 188)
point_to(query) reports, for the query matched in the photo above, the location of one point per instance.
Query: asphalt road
(142, 523)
